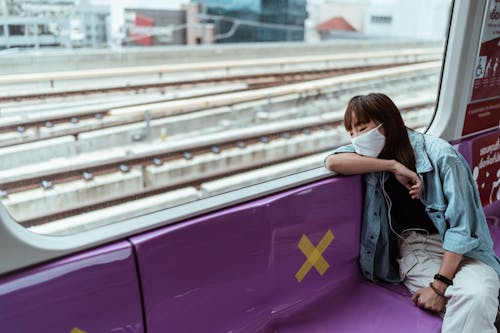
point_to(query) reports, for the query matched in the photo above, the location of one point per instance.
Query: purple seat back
(94, 291)
(235, 270)
(231, 270)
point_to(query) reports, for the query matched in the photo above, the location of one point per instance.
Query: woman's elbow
(332, 164)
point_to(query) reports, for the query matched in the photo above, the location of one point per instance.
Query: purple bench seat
(234, 270)
(361, 306)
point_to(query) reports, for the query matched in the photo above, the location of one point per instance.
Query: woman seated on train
(423, 223)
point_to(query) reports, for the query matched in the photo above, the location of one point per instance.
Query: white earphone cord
(389, 208)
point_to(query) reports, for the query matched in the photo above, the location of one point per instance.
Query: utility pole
(204, 23)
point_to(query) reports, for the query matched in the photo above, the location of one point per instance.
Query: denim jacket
(451, 200)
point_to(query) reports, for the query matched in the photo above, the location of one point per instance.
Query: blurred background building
(118, 23)
(67, 23)
(406, 19)
(255, 20)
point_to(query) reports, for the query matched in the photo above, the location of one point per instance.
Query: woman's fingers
(404, 180)
(409, 179)
(415, 191)
(415, 296)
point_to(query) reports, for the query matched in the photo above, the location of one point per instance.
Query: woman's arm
(352, 164)
(449, 267)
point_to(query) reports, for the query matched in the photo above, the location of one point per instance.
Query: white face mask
(370, 143)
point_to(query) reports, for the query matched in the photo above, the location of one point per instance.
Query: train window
(117, 112)
(43, 29)
(381, 19)
(17, 29)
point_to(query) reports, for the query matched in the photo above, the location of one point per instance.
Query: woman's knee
(476, 282)
(479, 296)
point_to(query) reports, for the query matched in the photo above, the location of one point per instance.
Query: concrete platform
(203, 122)
(66, 196)
(29, 153)
(24, 205)
(14, 138)
(60, 164)
(198, 122)
(86, 221)
(233, 160)
(81, 126)
(133, 208)
(169, 199)
(31, 115)
(240, 180)
(63, 82)
(217, 122)
(58, 60)
(304, 89)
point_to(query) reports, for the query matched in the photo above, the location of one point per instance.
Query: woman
(423, 222)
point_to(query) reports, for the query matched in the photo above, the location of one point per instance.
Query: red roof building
(337, 23)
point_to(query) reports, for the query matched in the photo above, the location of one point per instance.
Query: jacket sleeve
(342, 149)
(464, 211)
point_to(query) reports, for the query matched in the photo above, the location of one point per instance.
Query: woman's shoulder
(441, 150)
(436, 142)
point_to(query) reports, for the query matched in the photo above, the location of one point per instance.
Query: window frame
(21, 247)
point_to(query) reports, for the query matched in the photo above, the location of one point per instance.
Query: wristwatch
(443, 279)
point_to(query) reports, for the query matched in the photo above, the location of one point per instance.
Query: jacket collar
(422, 161)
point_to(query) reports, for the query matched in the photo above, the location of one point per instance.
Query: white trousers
(473, 297)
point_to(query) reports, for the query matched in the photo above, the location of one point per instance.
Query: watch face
(443, 279)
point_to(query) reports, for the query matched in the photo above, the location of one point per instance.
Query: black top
(406, 212)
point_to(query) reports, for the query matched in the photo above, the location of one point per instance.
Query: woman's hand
(426, 298)
(408, 179)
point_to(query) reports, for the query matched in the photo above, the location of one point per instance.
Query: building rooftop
(337, 23)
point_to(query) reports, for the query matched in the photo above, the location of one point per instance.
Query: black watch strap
(443, 279)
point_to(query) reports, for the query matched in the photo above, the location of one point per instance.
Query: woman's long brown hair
(379, 107)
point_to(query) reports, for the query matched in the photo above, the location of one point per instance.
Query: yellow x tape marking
(314, 255)
(77, 330)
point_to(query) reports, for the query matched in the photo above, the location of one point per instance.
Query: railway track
(18, 87)
(104, 156)
(35, 126)
(254, 81)
(185, 163)
(249, 82)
